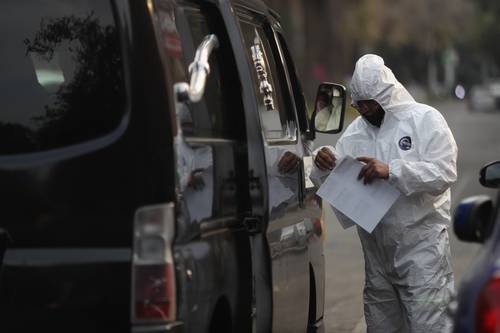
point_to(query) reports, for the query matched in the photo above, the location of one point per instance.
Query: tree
(411, 34)
(89, 105)
(488, 30)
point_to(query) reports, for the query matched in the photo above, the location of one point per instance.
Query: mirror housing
(329, 108)
(489, 176)
(472, 221)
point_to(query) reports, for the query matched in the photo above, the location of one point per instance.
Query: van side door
(287, 228)
(310, 202)
(212, 249)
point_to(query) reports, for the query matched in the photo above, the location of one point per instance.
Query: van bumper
(174, 327)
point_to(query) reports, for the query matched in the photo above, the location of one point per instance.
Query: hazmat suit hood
(372, 80)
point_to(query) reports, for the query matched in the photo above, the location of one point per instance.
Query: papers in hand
(363, 204)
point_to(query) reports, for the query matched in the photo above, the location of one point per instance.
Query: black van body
(124, 206)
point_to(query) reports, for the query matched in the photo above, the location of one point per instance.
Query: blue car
(477, 306)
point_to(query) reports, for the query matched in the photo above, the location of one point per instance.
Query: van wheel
(311, 328)
(221, 319)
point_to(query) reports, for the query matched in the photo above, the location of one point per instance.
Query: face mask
(371, 111)
(376, 117)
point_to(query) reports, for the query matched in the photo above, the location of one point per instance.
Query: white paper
(318, 176)
(344, 221)
(278, 193)
(364, 204)
(202, 158)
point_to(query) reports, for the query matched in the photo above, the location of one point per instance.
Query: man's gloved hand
(288, 163)
(325, 159)
(372, 169)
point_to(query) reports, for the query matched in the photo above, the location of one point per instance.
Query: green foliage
(488, 29)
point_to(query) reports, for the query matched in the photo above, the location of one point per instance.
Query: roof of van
(256, 5)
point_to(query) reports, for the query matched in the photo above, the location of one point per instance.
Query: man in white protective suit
(408, 273)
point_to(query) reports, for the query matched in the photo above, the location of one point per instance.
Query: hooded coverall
(408, 273)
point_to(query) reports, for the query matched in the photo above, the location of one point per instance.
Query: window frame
(216, 134)
(280, 76)
(299, 99)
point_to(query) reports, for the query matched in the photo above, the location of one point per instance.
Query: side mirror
(489, 176)
(472, 221)
(329, 108)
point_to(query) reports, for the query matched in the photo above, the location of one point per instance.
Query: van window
(275, 109)
(217, 113)
(213, 129)
(298, 94)
(61, 74)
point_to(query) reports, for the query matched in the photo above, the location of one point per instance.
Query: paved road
(478, 140)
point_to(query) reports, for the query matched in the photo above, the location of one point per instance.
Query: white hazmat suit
(408, 273)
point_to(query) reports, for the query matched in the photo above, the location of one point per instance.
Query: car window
(213, 127)
(61, 75)
(295, 83)
(214, 115)
(275, 111)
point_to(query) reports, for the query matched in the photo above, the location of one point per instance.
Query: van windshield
(61, 74)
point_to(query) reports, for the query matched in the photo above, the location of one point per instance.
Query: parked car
(152, 170)
(485, 96)
(477, 219)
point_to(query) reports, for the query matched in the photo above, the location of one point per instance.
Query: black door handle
(253, 224)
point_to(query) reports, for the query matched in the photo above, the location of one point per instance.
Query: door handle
(253, 224)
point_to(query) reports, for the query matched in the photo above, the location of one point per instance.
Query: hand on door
(288, 163)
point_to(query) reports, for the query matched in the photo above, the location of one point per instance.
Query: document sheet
(363, 204)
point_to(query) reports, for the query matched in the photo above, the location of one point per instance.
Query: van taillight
(488, 307)
(153, 276)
